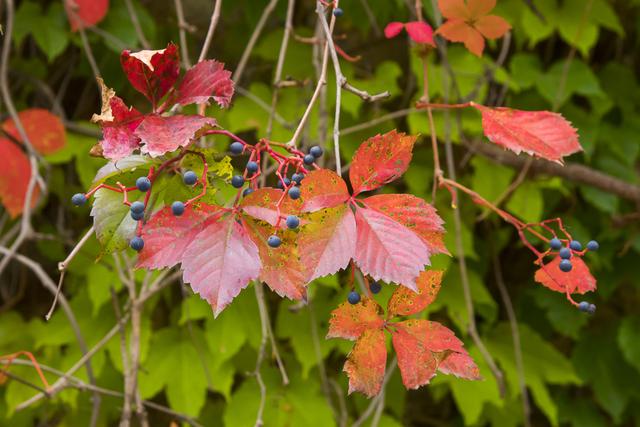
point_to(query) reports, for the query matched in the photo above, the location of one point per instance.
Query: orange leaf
(578, 280)
(14, 179)
(456, 30)
(349, 321)
(366, 363)
(478, 8)
(461, 365)
(453, 9)
(44, 129)
(321, 189)
(262, 205)
(492, 26)
(405, 302)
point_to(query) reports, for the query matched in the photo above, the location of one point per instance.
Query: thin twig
(182, 28)
(261, 352)
(125, 418)
(136, 24)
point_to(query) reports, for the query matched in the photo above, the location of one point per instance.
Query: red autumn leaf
(420, 32)
(469, 23)
(405, 302)
(379, 160)
(461, 365)
(387, 250)
(163, 134)
(85, 13)
(207, 79)
(261, 204)
(166, 236)
(578, 280)
(421, 345)
(281, 267)
(327, 241)
(152, 72)
(118, 124)
(321, 189)
(15, 177)
(220, 261)
(538, 133)
(366, 363)
(44, 129)
(415, 214)
(349, 321)
(393, 29)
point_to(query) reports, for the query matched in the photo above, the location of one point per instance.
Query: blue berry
(247, 191)
(236, 148)
(252, 167)
(137, 207)
(79, 199)
(316, 151)
(293, 221)
(565, 265)
(177, 208)
(274, 241)
(583, 306)
(137, 216)
(287, 182)
(338, 12)
(555, 243)
(353, 297)
(190, 177)
(565, 253)
(143, 184)
(294, 193)
(375, 287)
(309, 159)
(575, 245)
(237, 181)
(137, 243)
(297, 178)
(593, 245)
(592, 309)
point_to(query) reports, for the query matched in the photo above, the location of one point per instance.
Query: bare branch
(215, 17)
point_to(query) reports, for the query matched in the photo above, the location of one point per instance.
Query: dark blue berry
(565, 265)
(190, 177)
(375, 287)
(137, 216)
(143, 184)
(287, 182)
(274, 241)
(294, 193)
(555, 243)
(293, 221)
(565, 253)
(309, 159)
(338, 12)
(353, 297)
(137, 207)
(79, 199)
(252, 167)
(247, 191)
(237, 181)
(297, 178)
(316, 151)
(137, 243)
(593, 245)
(592, 309)
(236, 148)
(177, 208)
(575, 245)
(583, 306)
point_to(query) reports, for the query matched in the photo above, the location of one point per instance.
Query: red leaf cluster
(422, 347)
(419, 31)
(156, 74)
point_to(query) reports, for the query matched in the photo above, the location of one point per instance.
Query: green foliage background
(580, 371)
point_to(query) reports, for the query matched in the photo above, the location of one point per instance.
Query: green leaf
(629, 340)
(489, 179)
(113, 222)
(578, 79)
(527, 202)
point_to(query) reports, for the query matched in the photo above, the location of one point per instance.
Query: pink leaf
(220, 262)
(379, 160)
(261, 204)
(393, 29)
(85, 13)
(461, 365)
(207, 79)
(415, 214)
(405, 302)
(387, 250)
(321, 189)
(420, 32)
(578, 280)
(366, 363)
(163, 134)
(328, 241)
(152, 72)
(349, 321)
(166, 236)
(539, 133)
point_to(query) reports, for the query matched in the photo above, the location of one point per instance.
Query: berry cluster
(566, 252)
